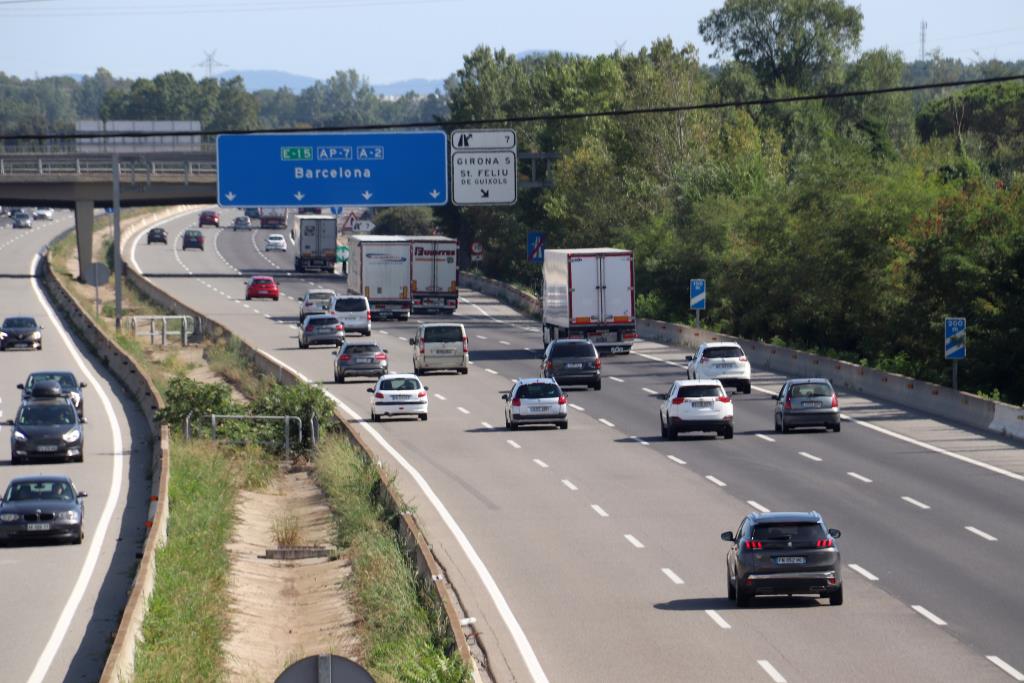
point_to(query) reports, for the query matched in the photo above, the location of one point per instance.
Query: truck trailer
(316, 241)
(380, 268)
(435, 274)
(589, 294)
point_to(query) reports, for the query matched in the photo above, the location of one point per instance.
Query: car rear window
(350, 305)
(797, 532)
(538, 390)
(322, 320)
(574, 350)
(193, 233)
(447, 333)
(707, 391)
(723, 352)
(817, 389)
(318, 296)
(262, 281)
(400, 384)
(361, 349)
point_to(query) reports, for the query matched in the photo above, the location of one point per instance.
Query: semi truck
(380, 268)
(316, 241)
(274, 218)
(589, 294)
(435, 274)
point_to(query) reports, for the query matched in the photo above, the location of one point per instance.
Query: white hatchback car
(724, 361)
(275, 242)
(696, 405)
(538, 400)
(398, 395)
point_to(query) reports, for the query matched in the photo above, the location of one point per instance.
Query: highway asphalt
(593, 553)
(60, 604)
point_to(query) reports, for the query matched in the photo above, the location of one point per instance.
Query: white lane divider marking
(660, 360)
(487, 425)
(504, 343)
(757, 506)
(512, 443)
(810, 457)
(765, 438)
(616, 379)
(440, 397)
(717, 618)
(403, 339)
(576, 407)
(676, 460)
(541, 463)
(599, 510)
(633, 540)
(863, 572)
(569, 485)
(1009, 670)
(859, 477)
(493, 372)
(649, 391)
(639, 441)
(463, 410)
(672, 576)
(714, 480)
(914, 501)
(605, 422)
(772, 672)
(979, 532)
(480, 336)
(527, 348)
(928, 615)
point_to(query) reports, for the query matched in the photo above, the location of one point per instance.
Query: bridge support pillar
(83, 232)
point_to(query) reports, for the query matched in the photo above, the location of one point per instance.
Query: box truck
(316, 242)
(588, 294)
(380, 268)
(435, 274)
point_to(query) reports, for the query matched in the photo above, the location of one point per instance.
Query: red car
(262, 287)
(209, 218)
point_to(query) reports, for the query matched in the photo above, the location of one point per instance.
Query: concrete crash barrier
(520, 299)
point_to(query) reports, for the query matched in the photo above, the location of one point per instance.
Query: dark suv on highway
(46, 426)
(782, 553)
(192, 239)
(572, 361)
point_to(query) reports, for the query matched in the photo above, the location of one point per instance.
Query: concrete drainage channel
(298, 553)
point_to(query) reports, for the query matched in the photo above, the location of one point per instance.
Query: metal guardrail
(159, 327)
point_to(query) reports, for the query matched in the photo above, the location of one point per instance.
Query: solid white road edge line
(928, 615)
(978, 532)
(1009, 670)
(672, 576)
(863, 572)
(63, 623)
(771, 671)
(717, 618)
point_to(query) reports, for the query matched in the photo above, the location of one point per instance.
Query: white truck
(588, 294)
(316, 239)
(380, 268)
(435, 274)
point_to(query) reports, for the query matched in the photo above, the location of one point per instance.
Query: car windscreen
(39, 490)
(723, 352)
(574, 350)
(446, 333)
(37, 415)
(362, 349)
(400, 384)
(706, 391)
(262, 281)
(811, 390)
(19, 322)
(66, 379)
(350, 305)
(322, 320)
(318, 296)
(538, 390)
(796, 532)
(193, 233)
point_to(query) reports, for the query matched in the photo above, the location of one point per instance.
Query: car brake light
(549, 365)
(516, 402)
(465, 345)
(380, 356)
(743, 359)
(597, 364)
(835, 401)
(344, 356)
(309, 328)
(423, 346)
(826, 543)
(725, 399)
(339, 327)
(753, 545)
(678, 400)
(562, 400)
(789, 402)
(629, 335)
(421, 394)
(378, 395)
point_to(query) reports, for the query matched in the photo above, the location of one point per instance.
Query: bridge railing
(131, 170)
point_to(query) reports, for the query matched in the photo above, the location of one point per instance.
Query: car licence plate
(722, 366)
(540, 409)
(47, 449)
(37, 527)
(364, 360)
(790, 560)
(442, 352)
(573, 366)
(703, 404)
(812, 404)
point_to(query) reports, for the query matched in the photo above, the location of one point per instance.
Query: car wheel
(730, 588)
(248, 298)
(746, 388)
(673, 434)
(303, 346)
(15, 459)
(782, 426)
(275, 299)
(513, 426)
(837, 426)
(563, 424)
(664, 430)
(374, 417)
(742, 597)
(340, 379)
(727, 432)
(78, 539)
(337, 378)
(597, 385)
(777, 427)
(464, 371)
(836, 598)
(423, 417)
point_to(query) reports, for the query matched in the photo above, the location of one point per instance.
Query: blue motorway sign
(331, 169)
(535, 246)
(698, 295)
(956, 338)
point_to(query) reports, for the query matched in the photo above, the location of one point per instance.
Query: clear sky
(391, 40)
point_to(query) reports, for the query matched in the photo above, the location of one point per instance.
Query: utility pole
(924, 35)
(210, 62)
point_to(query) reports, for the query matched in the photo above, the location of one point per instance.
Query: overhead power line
(609, 113)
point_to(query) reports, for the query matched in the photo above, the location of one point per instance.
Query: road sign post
(698, 297)
(484, 167)
(535, 246)
(955, 343)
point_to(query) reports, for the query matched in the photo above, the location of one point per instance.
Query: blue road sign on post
(535, 247)
(332, 169)
(698, 295)
(956, 338)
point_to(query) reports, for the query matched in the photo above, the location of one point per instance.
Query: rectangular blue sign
(535, 247)
(399, 168)
(956, 338)
(698, 295)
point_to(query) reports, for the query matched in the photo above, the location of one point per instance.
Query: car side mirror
(504, 397)
(82, 385)
(775, 397)
(727, 536)
(385, 350)
(412, 341)
(369, 390)
(21, 386)
(426, 388)
(9, 423)
(835, 533)
(83, 494)
(663, 397)
(688, 358)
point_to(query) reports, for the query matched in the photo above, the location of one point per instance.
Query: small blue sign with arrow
(535, 247)
(956, 338)
(698, 295)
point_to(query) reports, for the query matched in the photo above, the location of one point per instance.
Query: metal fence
(287, 420)
(162, 327)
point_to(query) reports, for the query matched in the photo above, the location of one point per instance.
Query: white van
(440, 346)
(353, 311)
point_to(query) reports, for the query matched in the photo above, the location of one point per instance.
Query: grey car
(21, 331)
(810, 402)
(572, 361)
(22, 220)
(783, 553)
(360, 359)
(321, 329)
(46, 428)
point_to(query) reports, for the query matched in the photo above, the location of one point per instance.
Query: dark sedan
(70, 387)
(362, 359)
(783, 553)
(46, 428)
(21, 331)
(572, 361)
(42, 507)
(192, 239)
(156, 235)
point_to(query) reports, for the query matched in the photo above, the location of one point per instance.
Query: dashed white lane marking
(1009, 670)
(714, 480)
(859, 477)
(660, 360)
(463, 410)
(493, 372)
(606, 423)
(771, 671)
(440, 397)
(599, 510)
(616, 379)
(512, 443)
(487, 425)
(480, 336)
(649, 391)
(928, 615)
(676, 460)
(672, 576)
(914, 501)
(633, 540)
(384, 332)
(717, 618)
(503, 342)
(765, 437)
(810, 457)
(863, 572)
(527, 348)
(245, 305)
(757, 506)
(569, 485)
(639, 441)
(540, 463)
(403, 339)
(576, 407)
(979, 532)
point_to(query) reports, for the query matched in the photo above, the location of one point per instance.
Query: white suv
(315, 301)
(724, 361)
(696, 405)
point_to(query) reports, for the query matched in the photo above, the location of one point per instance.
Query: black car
(156, 235)
(20, 331)
(42, 507)
(46, 428)
(67, 384)
(192, 239)
(572, 361)
(783, 553)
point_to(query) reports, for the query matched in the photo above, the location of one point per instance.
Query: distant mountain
(268, 79)
(421, 86)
